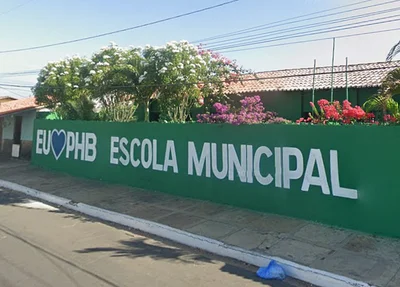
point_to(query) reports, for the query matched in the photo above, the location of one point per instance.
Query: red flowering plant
(336, 114)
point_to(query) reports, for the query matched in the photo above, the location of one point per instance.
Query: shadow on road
(11, 197)
(142, 247)
(69, 215)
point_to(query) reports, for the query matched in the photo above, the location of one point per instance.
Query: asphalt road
(44, 246)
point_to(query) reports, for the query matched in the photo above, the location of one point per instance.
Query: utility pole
(333, 64)
(347, 86)
(313, 82)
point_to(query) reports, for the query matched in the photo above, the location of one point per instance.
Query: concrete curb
(294, 270)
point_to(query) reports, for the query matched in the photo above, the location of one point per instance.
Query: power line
(312, 40)
(16, 86)
(302, 27)
(119, 31)
(16, 7)
(12, 92)
(255, 78)
(288, 20)
(309, 33)
(285, 36)
(19, 74)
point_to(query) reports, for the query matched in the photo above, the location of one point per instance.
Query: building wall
(8, 128)
(28, 119)
(286, 104)
(296, 104)
(27, 125)
(291, 105)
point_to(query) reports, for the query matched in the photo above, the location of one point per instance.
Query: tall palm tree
(393, 52)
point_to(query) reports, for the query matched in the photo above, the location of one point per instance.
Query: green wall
(319, 173)
(286, 104)
(48, 115)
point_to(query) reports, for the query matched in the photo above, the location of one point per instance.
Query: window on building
(17, 129)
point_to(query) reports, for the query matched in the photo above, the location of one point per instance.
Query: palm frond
(78, 109)
(392, 107)
(393, 52)
(382, 104)
(375, 103)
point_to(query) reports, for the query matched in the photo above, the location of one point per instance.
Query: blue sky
(44, 21)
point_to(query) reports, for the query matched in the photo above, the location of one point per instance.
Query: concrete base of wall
(26, 149)
(25, 152)
(6, 147)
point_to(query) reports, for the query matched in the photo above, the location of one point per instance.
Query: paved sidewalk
(370, 259)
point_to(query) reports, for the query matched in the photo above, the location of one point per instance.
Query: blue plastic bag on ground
(272, 271)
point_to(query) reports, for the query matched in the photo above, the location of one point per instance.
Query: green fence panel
(345, 176)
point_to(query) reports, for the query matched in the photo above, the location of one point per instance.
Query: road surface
(46, 247)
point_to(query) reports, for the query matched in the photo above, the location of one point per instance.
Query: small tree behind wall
(183, 74)
(61, 86)
(113, 83)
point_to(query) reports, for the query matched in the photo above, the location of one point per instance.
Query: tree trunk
(147, 112)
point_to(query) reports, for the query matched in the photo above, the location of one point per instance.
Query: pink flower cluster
(216, 56)
(390, 119)
(252, 111)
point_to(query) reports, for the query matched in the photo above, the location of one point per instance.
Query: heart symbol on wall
(58, 141)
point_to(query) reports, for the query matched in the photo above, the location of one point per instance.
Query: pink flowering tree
(251, 111)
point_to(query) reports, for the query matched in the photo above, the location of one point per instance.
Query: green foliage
(179, 75)
(78, 109)
(383, 103)
(61, 87)
(183, 75)
(170, 70)
(118, 110)
(114, 72)
(114, 82)
(391, 84)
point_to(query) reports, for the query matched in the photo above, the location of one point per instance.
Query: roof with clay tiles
(18, 106)
(359, 76)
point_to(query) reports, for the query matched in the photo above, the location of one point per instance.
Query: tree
(61, 87)
(114, 79)
(147, 85)
(181, 74)
(393, 52)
